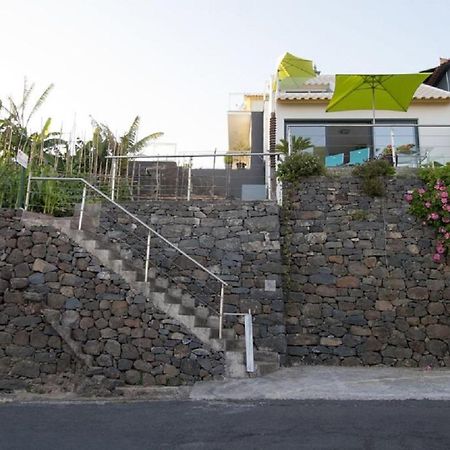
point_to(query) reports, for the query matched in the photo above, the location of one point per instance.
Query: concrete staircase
(201, 321)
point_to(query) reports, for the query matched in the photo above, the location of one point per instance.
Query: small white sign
(22, 158)
(270, 285)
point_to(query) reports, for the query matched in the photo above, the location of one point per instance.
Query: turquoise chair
(334, 160)
(359, 156)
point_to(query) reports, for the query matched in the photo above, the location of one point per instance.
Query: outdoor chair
(359, 156)
(334, 160)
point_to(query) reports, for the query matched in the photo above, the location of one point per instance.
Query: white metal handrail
(136, 219)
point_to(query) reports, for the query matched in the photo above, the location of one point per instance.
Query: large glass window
(333, 138)
(403, 138)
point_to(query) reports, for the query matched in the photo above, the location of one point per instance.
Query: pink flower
(421, 191)
(440, 250)
(408, 198)
(447, 235)
(427, 205)
(444, 200)
(436, 257)
(434, 216)
(444, 194)
(445, 220)
(442, 230)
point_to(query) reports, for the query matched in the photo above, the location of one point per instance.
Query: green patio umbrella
(392, 92)
(386, 92)
(293, 71)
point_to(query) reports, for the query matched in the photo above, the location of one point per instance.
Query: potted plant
(387, 155)
(405, 149)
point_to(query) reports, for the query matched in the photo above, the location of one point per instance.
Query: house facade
(420, 135)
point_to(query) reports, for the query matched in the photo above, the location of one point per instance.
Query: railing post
(113, 178)
(27, 195)
(250, 362)
(147, 256)
(222, 292)
(189, 186)
(83, 202)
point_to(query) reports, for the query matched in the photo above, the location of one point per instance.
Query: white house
(424, 128)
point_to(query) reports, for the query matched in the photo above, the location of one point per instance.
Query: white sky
(174, 62)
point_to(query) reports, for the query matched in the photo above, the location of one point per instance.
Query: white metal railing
(248, 320)
(189, 176)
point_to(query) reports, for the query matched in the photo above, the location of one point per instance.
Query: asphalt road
(277, 425)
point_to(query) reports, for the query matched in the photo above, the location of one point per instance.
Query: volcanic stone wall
(65, 319)
(361, 287)
(239, 241)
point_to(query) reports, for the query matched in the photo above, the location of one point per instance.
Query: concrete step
(235, 364)
(264, 368)
(129, 275)
(201, 321)
(267, 356)
(89, 244)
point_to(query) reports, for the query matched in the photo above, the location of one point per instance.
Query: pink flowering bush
(432, 205)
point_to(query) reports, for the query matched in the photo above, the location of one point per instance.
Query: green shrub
(430, 175)
(372, 173)
(374, 168)
(300, 165)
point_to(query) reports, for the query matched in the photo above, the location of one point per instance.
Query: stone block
(93, 347)
(436, 308)
(69, 279)
(119, 308)
(348, 282)
(38, 339)
(129, 351)
(132, 377)
(25, 368)
(438, 331)
(418, 293)
(302, 339)
(360, 331)
(383, 305)
(330, 341)
(42, 266)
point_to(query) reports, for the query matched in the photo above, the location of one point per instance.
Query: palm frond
(142, 143)
(39, 102)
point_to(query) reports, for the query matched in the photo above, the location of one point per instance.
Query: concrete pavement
(293, 383)
(332, 383)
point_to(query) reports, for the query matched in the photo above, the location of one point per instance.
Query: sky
(175, 62)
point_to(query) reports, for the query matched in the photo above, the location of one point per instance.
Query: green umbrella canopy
(386, 92)
(293, 71)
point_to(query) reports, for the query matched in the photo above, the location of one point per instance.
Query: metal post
(189, 186)
(147, 256)
(83, 202)
(222, 292)
(250, 362)
(113, 178)
(394, 150)
(27, 196)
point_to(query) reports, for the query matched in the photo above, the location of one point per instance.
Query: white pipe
(249, 357)
(222, 292)
(147, 256)
(83, 201)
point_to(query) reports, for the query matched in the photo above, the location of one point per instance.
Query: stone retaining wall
(361, 286)
(65, 319)
(239, 241)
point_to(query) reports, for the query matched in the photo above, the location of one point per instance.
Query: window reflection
(336, 139)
